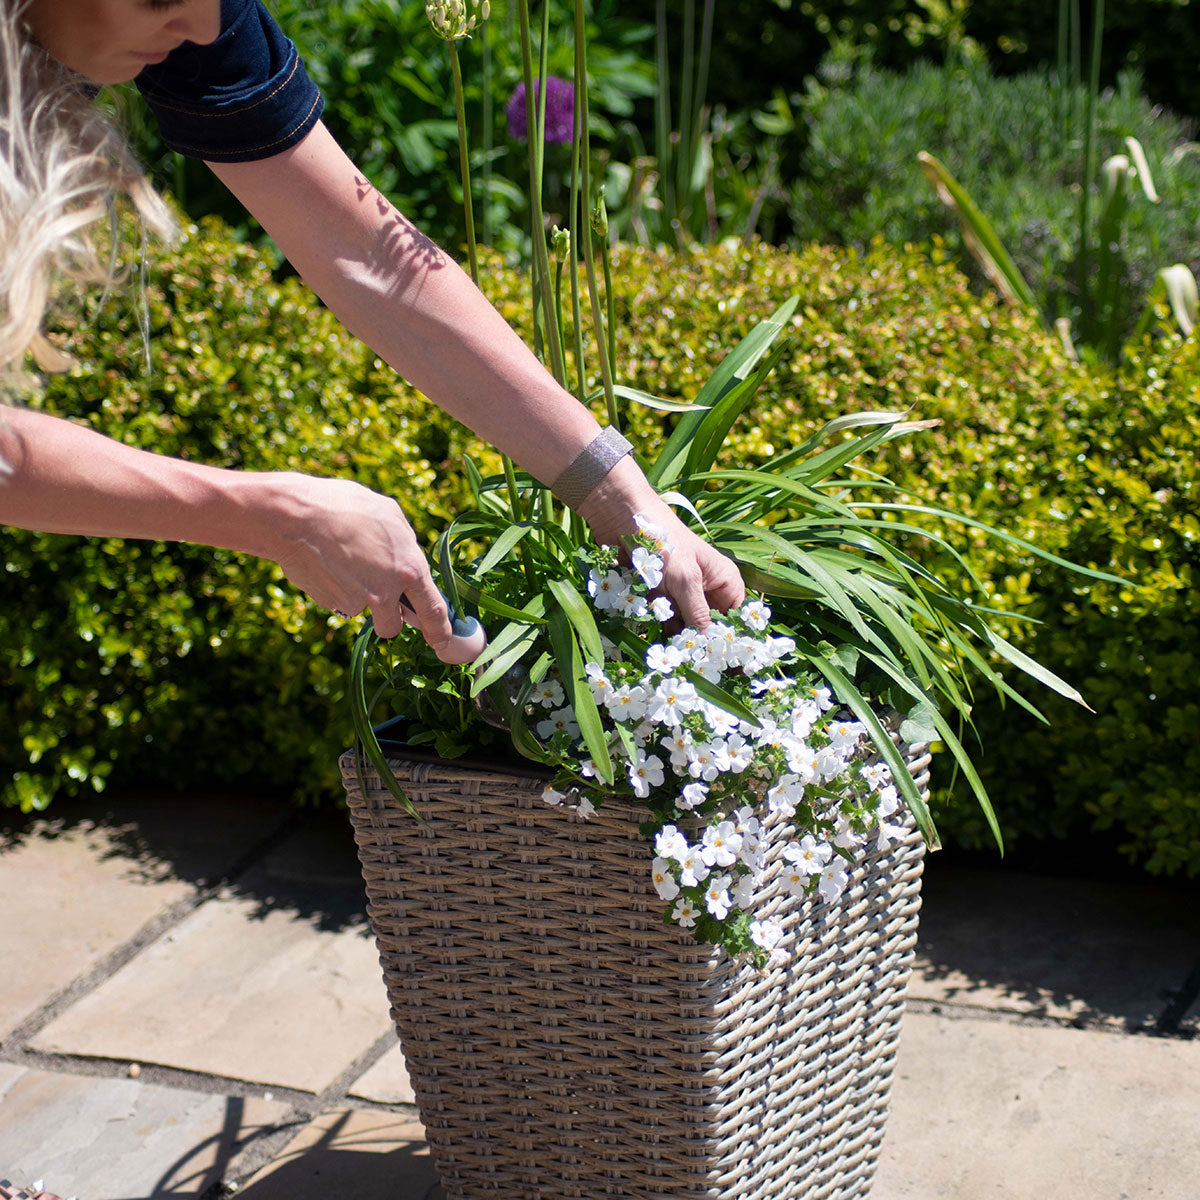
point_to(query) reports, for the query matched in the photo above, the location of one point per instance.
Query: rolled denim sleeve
(242, 97)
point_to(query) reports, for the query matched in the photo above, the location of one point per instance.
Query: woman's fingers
(351, 549)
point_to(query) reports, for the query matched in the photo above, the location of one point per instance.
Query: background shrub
(787, 40)
(145, 662)
(1013, 144)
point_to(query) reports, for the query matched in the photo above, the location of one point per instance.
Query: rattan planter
(563, 1042)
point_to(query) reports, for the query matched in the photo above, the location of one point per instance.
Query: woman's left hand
(696, 576)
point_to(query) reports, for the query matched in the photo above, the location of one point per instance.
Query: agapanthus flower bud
(600, 215)
(453, 19)
(560, 243)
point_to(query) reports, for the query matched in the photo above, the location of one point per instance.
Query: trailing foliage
(140, 662)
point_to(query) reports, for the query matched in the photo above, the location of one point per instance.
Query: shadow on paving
(366, 1156)
(268, 851)
(1122, 953)
(205, 1165)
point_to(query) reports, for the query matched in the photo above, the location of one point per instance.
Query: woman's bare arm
(394, 289)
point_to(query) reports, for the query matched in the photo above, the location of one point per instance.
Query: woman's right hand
(352, 549)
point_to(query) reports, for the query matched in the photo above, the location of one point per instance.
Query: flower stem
(543, 287)
(464, 159)
(581, 104)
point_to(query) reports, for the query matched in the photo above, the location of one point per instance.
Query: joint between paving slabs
(150, 932)
(305, 1109)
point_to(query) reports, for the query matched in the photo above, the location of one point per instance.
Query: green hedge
(152, 662)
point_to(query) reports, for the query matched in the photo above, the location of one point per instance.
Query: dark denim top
(243, 97)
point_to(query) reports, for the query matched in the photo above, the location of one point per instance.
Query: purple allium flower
(560, 110)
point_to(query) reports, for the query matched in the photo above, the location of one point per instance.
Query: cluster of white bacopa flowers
(724, 791)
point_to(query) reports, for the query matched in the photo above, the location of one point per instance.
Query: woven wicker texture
(563, 1042)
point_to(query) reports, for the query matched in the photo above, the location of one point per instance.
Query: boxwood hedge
(142, 662)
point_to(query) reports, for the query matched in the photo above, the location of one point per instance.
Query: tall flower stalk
(543, 283)
(452, 21)
(589, 261)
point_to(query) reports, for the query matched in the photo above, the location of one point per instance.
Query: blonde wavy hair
(62, 167)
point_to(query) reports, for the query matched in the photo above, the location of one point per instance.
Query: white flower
(735, 754)
(643, 732)
(889, 834)
(844, 735)
(743, 892)
(877, 774)
(719, 720)
(678, 744)
(627, 703)
(670, 843)
(785, 795)
(830, 762)
(587, 768)
(702, 763)
(553, 797)
(673, 699)
(693, 795)
(628, 603)
(600, 683)
(721, 844)
(688, 643)
(846, 836)
(719, 642)
(693, 868)
(664, 880)
(823, 698)
(548, 693)
(661, 610)
(767, 934)
(716, 896)
(645, 773)
(654, 533)
(662, 659)
(804, 716)
(803, 760)
(781, 647)
(756, 614)
(604, 588)
(746, 821)
(808, 854)
(564, 718)
(795, 880)
(648, 565)
(772, 687)
(585, 808)
(888, 801)
(685, 913)
(833, 880)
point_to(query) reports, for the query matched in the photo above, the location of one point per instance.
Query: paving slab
(1042, 946)
(387, 1081)
(117, 1139)
(78, 885)
(364, 1154)
(994, 1110)
(276, 981)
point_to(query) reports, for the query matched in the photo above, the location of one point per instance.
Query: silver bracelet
(591, 465)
